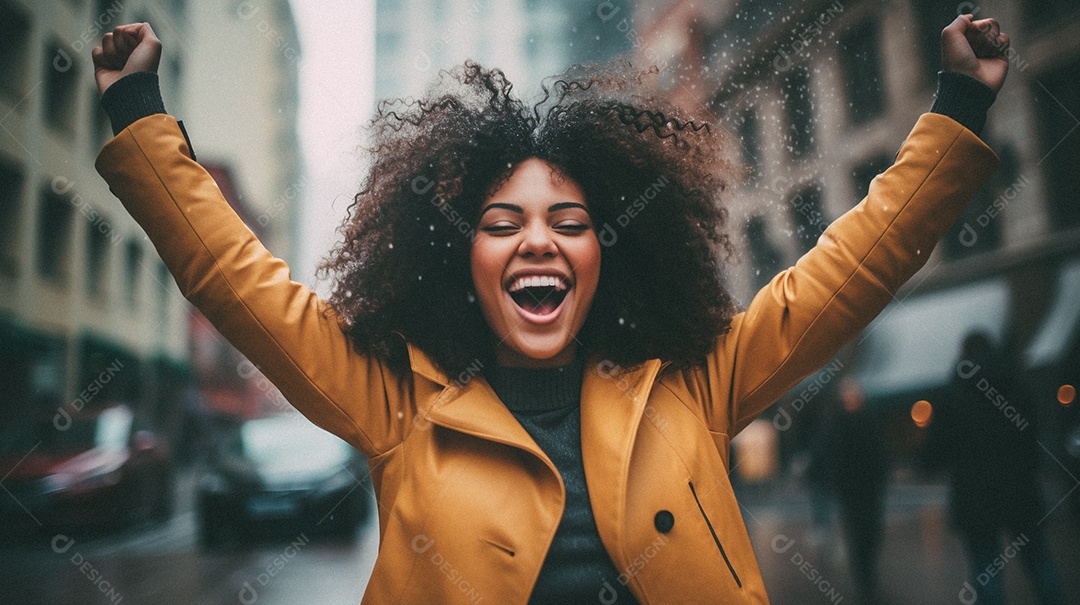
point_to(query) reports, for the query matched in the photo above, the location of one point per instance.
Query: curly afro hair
(651, 177)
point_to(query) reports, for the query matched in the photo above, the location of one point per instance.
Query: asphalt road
(921, 560)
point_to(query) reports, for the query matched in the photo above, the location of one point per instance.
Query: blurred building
(88, 313)
(528, 39)
(241, 106)
(819, 94)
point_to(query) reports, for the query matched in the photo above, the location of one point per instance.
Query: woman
(544, 370)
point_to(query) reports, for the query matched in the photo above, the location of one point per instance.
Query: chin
(537, 352)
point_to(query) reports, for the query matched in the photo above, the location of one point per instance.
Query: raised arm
(223, 269)
(806, 313)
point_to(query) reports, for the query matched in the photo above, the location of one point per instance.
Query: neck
(509, 358)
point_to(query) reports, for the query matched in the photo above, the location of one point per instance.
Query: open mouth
(538, 294)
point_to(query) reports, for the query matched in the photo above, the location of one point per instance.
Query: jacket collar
(613, 402)
(471, 406)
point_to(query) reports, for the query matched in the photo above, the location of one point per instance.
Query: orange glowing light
(921, 413)
(1066, 394)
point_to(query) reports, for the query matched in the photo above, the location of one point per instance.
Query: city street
(921, 561)
(163, 563)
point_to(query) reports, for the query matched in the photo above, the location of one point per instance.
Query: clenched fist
(976, 49)
(125, 50)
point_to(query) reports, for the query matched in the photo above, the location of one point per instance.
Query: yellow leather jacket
(468, 503)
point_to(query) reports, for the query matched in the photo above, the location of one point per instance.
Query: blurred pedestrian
(985, 434)
(855, 463)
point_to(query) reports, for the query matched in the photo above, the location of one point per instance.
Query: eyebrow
(520, 210)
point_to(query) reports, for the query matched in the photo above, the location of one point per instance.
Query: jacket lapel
(476, 410)
(473, 408)
(612, 404)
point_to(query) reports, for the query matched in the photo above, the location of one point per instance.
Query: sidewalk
(922, 560)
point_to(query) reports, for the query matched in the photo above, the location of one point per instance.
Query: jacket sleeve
(291, 335)
(807, 312)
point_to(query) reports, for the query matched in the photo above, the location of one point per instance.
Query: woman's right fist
(125, 50)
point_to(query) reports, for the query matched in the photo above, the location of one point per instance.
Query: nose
(536, 240)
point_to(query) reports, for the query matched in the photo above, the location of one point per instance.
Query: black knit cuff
(132, 97)
(963, 99)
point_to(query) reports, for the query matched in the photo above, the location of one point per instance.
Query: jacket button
(664, 521)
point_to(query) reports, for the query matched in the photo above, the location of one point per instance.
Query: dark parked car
(282, 473)
(97, 468)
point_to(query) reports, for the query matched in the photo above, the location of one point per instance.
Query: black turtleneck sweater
(547, 403)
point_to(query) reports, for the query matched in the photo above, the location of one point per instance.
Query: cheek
(588, 265)
(486, 268)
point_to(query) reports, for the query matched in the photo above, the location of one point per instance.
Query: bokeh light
(1066, 394)
(922, 412)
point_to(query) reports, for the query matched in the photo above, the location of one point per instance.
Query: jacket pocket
(715, 538)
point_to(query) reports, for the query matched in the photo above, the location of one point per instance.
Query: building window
(800, 111)
(11, 186)
(1053, 93)
(133, 254)
(806, 215)
(61, 92)
(388, 43)
(932, 16)
(179, 7)
(749, 132)
(1040, 14)
(861, 63)
(14, 48)
(107, 14)
(765, 258)
(100, 127)
(862, 174)
(54, 236)
(97, 262)
(176, 75)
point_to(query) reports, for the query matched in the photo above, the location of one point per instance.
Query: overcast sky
(336, 91)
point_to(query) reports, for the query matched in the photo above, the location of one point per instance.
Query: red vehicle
(93, 469)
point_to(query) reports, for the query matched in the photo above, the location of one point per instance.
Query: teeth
(537, 281)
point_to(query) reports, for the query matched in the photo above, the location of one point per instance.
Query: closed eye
(503, 228)
(572, 227)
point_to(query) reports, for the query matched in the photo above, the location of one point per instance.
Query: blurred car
(283, 473)
(96, 468)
